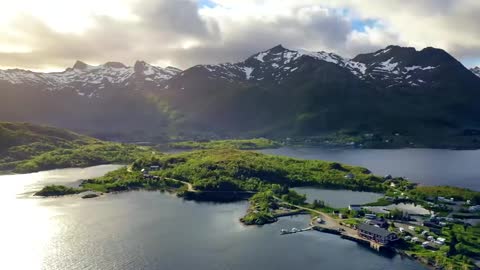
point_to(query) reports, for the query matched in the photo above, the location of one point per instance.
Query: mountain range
(275, 93)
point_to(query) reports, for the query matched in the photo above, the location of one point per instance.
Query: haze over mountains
(277, 92)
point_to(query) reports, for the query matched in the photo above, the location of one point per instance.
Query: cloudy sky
(51, 34)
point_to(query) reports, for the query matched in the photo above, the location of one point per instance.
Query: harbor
(295, 230)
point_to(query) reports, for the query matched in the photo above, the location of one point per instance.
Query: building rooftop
(375, 230)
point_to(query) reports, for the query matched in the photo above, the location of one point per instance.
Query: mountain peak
(139, 66)
(114, 65)
(476, 71)
(79, 65)
(278, 48)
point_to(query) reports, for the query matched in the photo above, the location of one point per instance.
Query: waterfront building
(376, 234)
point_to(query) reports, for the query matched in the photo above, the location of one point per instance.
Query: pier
(372, 244)
(295, 230)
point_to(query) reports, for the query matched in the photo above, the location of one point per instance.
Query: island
(218, 174)
(228, 170)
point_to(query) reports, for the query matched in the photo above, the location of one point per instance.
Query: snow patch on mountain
(386, 66)
(248, 72)
(382, 51)
(86, 79)
(476, 71)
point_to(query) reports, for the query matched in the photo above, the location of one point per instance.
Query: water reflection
(424, 166)
(27, 226)
(338, 198)
(150, 230)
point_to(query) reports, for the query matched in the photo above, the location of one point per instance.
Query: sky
(51, 35)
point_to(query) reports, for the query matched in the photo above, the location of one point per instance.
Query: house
(381, 223)
(376, 234)
(355, 207)
(350, 176)
(431, 224)
(370, 216)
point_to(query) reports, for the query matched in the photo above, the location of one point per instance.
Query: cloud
(189, 32)
(161, 26)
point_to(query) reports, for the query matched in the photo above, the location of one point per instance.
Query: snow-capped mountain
(403, 67)
(276, 64)
(276, 91)
(392, 67)
(281, 62)
(476, 71)
(89, 80)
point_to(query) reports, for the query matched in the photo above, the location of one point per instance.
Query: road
(189, 185)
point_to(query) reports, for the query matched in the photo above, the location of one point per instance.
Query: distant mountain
(401, 67)
(105, 99)
(277, 92)
(476, 71)
(89, 80)
(280, 91)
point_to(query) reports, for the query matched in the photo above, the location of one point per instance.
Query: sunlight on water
(27, 227)
(27, 224)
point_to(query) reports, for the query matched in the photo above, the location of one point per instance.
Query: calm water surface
(151, 230)
(425, 166)
(338, 198)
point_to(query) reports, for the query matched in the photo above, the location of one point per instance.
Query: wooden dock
(372, 244)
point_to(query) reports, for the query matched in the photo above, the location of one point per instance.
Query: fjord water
(153, 230)
(338, 198)
(424, 166)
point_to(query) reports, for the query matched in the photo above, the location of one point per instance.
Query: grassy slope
(247, 144)
(231, 169)
(460, 194)
(235, 170)
(28, 148)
